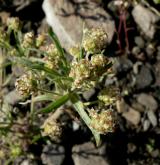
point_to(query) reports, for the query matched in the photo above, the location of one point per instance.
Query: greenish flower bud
(13, 52)
(16, 151)
(28, 40)
(108, 95)
(40, 40)
(103, 122)
(52, 128)
(99, 60)
(75, 51)
(51, 63)
(94, 40)
(3, 35)
(14, 23)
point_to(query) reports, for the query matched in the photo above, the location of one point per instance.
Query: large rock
(87, 154)
(67, 19)
(145, 19)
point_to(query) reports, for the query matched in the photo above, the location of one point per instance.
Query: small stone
(144, 78)
(136, 67)
(87, 154)
(152, 117)
(28, 162)
(122, 64)
(131, 147)
(88, 94)
(146, 125)
(136, 50)
(147, 101)
(139, 41)
(155, 153)
(53, 154)
(139, 107)
(145, 19)
(12, 97)
(150, 49)
(121, 106)
(132, 116)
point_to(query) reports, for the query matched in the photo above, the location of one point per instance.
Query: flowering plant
(50, 74)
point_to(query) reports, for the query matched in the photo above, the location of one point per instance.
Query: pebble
(145, 19)
(139, 41)
(136, 50)
(152, 117)
(146, 125)
(150, 49)
(132, 116)
(122, 64)
(53, 154)
(139, 107)
(136, 67)
(88, 94)
(12, 97)
(147, 101)
(144, 79)
(121, 106)
(87, 154)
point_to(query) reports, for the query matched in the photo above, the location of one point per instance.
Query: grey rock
(144, 78)
(147, 101)
(87, 154)
(146, 125)
(145, 19)
(88, 94)
(122, 64)
(53, 154)
(152, 117)
(121, 106)
(139, 41)
(12, 97)
(132, 116)
(67, 19)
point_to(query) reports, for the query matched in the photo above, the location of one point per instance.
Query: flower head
(25, 85)
(28, 40)
(80, 71)
(94, 40)
(102, 122)
(52, 128)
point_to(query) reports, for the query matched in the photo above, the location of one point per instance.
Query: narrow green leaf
(58, 45)
(48, 97)
(54, 105)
